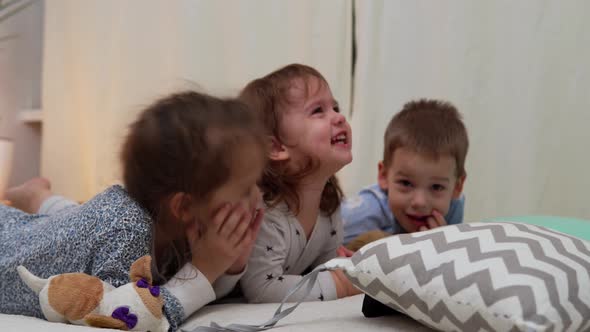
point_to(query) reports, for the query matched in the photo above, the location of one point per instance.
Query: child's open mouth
(419, 221)
(340, 139)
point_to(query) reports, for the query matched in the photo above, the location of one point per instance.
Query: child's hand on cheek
(250, 238)
(437, 220)
(217, 245)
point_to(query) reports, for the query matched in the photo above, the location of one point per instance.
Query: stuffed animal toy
(82, 299)
(366, 238)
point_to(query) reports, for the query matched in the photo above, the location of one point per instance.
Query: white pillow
(479, 276)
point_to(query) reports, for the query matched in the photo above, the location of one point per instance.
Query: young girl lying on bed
(302, 228)
(190, 199)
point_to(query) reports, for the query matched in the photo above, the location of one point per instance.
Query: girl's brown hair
(184, 143)
(270, 95)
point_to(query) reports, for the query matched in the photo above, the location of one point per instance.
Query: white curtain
(519, 71)
(105, 59)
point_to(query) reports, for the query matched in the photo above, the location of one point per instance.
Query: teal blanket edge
(575, 227)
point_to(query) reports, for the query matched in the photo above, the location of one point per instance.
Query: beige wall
(20, 88)
(106, 59)
(517, 70)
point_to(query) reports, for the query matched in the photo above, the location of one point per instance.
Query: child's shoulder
(370, 196)
(369, 192)
(458, 203)
(459, 200)
(278, 214)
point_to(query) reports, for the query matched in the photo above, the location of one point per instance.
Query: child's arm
(192, 289)
(343, 285)
(366, 212)
(267, 278)
(336, 232)
(188, 290)
(218, 252)
(226, 283)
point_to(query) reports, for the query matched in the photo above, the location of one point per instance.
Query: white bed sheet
(340, 315)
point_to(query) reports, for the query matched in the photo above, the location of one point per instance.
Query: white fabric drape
(519, 71)
(105, 59)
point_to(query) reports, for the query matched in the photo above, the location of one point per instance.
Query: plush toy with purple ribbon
(136, 306)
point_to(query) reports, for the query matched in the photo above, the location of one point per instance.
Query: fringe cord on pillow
(279, 314)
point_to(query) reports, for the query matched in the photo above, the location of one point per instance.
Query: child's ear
(181, 207)
(459, 186)
(382, 176)
(278, 151)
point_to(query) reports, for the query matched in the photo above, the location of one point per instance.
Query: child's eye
(317, 110)
(438, 187)
(337, 109)
(404, 183)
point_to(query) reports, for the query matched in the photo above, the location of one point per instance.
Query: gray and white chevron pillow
(479, 276)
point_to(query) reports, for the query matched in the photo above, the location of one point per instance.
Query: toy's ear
(141, 269)
(366, 238)
(103, 321)
(73, 295)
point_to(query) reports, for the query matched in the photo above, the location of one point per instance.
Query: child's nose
(338, 118)
(419, 200)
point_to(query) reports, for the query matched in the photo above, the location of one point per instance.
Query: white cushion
(488, 276)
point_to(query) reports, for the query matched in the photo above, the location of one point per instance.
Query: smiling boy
(421, 176)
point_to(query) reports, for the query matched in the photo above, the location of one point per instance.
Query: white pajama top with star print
(282, 253)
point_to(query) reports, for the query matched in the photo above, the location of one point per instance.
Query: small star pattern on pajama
(282, 253)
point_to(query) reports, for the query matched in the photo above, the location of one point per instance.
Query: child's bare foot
(30, 195)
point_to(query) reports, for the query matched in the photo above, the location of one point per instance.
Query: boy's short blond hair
(430, 127)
